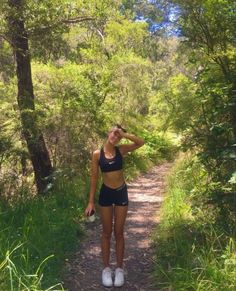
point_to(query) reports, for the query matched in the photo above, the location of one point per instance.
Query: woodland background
(165, 70)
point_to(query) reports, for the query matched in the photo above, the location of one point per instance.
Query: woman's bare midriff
(113, 179)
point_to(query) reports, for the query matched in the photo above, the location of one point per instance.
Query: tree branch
(42, 29)
(6, 39)
(77, 19)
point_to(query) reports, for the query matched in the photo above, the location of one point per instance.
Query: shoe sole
(119, 285)
(108, 286)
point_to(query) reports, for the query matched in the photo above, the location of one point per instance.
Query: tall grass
(15, 279)
(192, 252)
(37, 236)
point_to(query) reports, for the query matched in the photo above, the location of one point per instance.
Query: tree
(208, 28)
(42, 25)
(25, 97)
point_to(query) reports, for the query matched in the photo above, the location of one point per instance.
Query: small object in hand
(91, 216)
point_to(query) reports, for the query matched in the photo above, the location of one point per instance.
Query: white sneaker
(119, 277)
(106, 277)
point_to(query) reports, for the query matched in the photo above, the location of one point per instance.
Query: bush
(157, 147)
(193, 252)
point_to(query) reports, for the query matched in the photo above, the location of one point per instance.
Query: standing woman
(113, 197)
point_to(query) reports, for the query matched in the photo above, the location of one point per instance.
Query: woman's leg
(106, 218)
(120, 216)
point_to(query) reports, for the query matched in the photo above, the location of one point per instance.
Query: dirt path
(145, 196)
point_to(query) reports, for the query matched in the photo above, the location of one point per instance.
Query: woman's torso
(112, 169)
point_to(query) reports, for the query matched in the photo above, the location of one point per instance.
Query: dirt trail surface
(145, 197)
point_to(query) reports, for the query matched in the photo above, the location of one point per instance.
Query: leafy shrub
(193, 252)
(157, 147)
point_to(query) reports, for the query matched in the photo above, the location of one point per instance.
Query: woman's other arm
(137, 142)
(93, 182)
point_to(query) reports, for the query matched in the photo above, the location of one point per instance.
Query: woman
(113, 197)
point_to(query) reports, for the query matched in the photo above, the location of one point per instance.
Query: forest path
(145, 197)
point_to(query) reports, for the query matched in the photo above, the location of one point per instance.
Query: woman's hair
(120, 127)
(115, 126)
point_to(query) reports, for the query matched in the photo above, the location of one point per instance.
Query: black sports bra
(113, 164)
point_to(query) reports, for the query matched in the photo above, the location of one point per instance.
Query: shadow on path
(145, 197)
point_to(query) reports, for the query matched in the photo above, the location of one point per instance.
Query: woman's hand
(90, 207)
(120, 132)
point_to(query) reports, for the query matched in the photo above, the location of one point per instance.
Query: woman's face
(114, 136)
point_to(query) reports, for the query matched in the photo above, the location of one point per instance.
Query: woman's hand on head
(120, 132)
(90, 207)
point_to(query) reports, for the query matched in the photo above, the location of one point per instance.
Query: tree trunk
(25, 98)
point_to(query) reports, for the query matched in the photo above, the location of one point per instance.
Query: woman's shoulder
(96, 153)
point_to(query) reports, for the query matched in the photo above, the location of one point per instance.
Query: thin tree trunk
(25, 98)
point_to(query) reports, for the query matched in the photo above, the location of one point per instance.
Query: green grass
(18, 279)
(38, 235)
(192, 251)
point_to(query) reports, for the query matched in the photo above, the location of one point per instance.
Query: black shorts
(109, 196)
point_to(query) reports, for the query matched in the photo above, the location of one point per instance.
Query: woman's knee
(119, 235)
(107, 234)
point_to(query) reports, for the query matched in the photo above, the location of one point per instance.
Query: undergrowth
(193, 252)
(37, 236)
